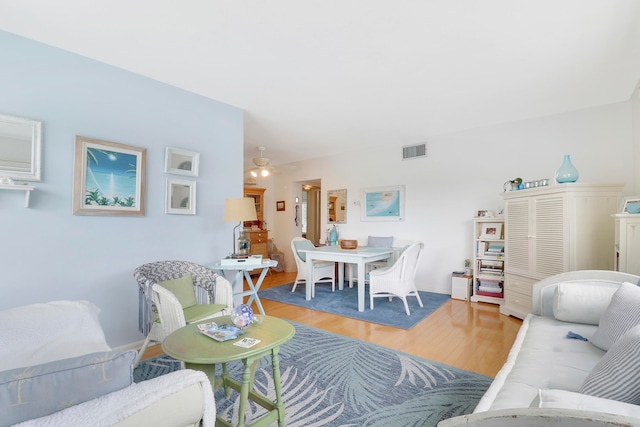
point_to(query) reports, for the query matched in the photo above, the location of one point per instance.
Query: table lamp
(239, 209)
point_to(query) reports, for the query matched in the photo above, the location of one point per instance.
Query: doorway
(310, 214)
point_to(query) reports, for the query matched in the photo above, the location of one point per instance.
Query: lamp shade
(240, 209)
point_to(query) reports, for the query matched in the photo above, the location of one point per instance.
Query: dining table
(359, 256)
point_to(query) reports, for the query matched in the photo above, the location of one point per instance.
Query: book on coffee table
(220, 332)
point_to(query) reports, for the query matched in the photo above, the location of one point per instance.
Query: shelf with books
(489, 260)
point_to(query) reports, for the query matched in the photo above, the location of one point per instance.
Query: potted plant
(467, 267)
(513, 183)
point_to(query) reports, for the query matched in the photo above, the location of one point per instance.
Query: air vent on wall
(414, 151)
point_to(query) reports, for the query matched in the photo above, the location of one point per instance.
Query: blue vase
(567, 172)
(333, 236)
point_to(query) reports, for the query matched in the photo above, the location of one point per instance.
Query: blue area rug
(331, 380)
(345, 303)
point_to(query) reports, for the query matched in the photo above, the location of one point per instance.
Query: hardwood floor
(470, 336)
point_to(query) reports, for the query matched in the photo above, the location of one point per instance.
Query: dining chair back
(323, 271)
(399, 280)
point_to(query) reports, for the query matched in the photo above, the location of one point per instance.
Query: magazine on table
(220, 332)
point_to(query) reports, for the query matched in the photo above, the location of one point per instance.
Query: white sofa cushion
(542, 358)
(621, 315)
(581, 302)
(616, 376)
(563, 399)
(70, 329)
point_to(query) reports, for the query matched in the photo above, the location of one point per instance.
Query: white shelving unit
(488, 260)
(26, 188)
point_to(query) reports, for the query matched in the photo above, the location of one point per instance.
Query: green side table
(202, 353)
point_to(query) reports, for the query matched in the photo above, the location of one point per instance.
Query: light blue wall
(46, 253)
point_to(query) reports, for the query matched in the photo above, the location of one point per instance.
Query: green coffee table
(202, 353)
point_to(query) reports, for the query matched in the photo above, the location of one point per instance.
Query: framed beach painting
(108, 178)
(383, 204)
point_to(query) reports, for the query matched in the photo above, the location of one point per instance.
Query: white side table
(236, 283)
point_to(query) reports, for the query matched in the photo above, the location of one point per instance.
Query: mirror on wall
(20, 147)
(337, 206)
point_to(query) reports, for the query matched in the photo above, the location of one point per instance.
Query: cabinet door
(630, 247)
(550, 236)
(517, 243)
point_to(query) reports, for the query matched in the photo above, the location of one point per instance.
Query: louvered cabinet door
(518, 237)
(549, 236)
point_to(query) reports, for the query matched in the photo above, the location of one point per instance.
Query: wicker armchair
(323, 271)
(399, 280)
(213, 294)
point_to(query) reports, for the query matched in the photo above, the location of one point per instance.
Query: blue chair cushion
(303, 244)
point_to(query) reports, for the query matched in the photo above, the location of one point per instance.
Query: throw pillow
(36, 391)
(380, 242)
(182, 288)
(622, 314)
(302, 244)
(40, 333)
(616, 376)
(582, 302)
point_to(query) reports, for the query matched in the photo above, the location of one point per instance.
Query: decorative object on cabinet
(102, 178)
(257, 194)
(180, 197)
(512, 184)
(383, 204)
(181, 162)
(555, 229)
(239, 209)
(630, 205)
(336, 206)
(627, 243)
(20, 148)
(488, 260)
(280, 205)
(567, 172)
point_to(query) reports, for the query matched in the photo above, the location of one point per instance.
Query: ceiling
(317, 78)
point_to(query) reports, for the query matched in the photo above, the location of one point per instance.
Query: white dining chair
(399, 280)
(323, 271)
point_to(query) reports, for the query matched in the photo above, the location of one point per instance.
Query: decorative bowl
(633, 208)
(349, 244)
(242, 316)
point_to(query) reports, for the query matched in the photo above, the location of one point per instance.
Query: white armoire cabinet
(555, 229)
(627, 243)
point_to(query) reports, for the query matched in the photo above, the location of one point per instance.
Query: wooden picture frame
(108, 178)
(383, 204)
(180, 197)
(491, 231)
(280, 205)
(178, 161)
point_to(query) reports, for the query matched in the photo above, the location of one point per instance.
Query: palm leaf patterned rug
(331, 380)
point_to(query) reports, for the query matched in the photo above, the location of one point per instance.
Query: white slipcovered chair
(398, 247)
(399, 280)
(161, 311)
(323, 271)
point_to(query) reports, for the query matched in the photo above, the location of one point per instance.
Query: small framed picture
(631, 205)
(480, 214)
(280, 205)
(491, 231)
(180, 197)
(181, 162)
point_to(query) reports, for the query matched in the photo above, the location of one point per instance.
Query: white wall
(49, 254)
(464, 172)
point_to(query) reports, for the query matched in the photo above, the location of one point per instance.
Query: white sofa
(552, 379)
(56, 369)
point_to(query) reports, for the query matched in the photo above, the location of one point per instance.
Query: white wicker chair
(323, 271)
(399, 280)
(398, 247)
(210, 289)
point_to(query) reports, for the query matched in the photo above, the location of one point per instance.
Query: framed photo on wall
(280, 205)
(180, 197)
(383, 204)
(108, 178)
(181, 162)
